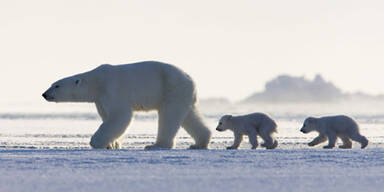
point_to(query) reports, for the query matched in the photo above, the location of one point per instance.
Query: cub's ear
(229, 116)
(78, 82)
(311, 120)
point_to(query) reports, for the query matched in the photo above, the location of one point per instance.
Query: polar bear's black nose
(45, 96)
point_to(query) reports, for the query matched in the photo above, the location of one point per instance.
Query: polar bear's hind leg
(171, 115)
(347, 144)
(269, 141)
(361, 139)
(194, 126)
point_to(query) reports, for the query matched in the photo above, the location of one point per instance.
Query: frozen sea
(44, 147)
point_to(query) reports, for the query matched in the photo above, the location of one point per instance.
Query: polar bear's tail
(194, 126)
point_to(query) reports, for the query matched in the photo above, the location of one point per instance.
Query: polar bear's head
(225, 123)
(70, 89)
(310, 124)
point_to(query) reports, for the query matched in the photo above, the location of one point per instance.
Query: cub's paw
(345, 146)
(364, 144)
(197, 147)
(311, 144)
(328, 147)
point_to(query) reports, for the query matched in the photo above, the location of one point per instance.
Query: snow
(47, 150)
(192, 170)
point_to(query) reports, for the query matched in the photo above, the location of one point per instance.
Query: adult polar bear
(119, 90)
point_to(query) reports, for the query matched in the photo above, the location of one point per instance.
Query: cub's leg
(331, 140)
(319, 139)
(236, 143)
(347, 144)
(359, 138)
(269, 141)
(253, 140)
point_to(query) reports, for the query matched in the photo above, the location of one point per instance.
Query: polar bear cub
(332, 127)
(251, 125)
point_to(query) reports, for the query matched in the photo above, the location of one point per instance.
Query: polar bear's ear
(229, 116)
(78, 82)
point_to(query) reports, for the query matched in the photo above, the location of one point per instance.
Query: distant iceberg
(287, 88)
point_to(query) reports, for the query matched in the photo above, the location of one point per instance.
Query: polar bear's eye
(220, 123)
(57, 86)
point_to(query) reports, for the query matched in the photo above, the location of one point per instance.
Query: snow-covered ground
(45, 148)
(189, 170)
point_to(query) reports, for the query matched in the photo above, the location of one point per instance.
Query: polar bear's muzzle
(218, 129)
(48, 97)
(303, 131)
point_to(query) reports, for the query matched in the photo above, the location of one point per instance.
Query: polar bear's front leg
(319, 139)
(237, 141)
(253, 140)
(111, 129)
(347, 144)
(101, 111)
(114, 145)
(331, 141)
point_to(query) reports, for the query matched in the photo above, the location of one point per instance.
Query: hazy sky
(231, 48)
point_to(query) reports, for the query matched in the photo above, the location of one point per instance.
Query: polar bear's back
(340, 123)
(150, 81)
(148, 71)
(259, 119)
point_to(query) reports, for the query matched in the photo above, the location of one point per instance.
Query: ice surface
(46, 149)
(192, 170)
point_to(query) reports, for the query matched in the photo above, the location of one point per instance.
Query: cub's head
(310, 124)
(70, 89)
(224, 123)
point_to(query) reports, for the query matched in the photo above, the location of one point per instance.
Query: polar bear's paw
(345, 146)
(364, 143)
(270, 145)
(98, 142)
(114, 145)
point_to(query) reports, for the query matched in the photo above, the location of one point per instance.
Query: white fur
(332, 127)
(119, 90)
(252, 125)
